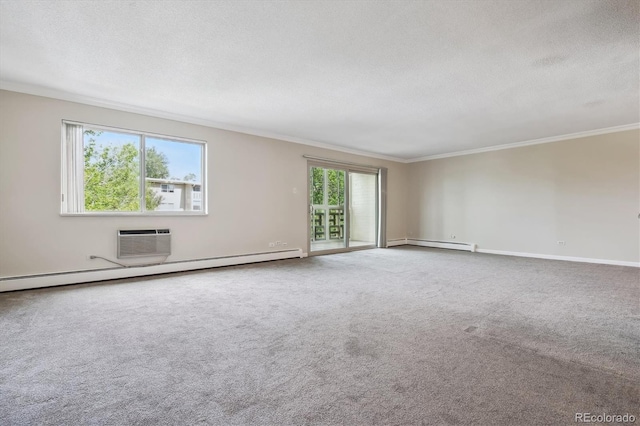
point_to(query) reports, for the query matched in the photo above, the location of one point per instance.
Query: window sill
(135, 214)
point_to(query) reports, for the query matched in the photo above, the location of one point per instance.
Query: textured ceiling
(397, 78)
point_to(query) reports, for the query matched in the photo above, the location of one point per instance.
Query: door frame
(347, 201)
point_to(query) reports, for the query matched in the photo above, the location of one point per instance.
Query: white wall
(584, 191)
(250, 189)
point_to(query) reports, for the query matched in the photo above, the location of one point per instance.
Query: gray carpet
(402, 336)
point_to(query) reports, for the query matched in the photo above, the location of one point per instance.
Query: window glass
(317, 185)
(335, 187)
(176, 168)
(103, 172)
(111, 171)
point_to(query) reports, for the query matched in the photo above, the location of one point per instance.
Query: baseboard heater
(474, 248)
(143, 243)
(91, 275)
(452, 245)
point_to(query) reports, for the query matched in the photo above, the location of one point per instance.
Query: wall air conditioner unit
(144, 242)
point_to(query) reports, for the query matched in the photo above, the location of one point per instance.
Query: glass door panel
(327, 196)
(362, 209)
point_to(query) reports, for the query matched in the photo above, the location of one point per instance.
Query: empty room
(319, 212)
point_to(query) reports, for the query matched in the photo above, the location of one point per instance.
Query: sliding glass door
(327, 195)
(342, 209)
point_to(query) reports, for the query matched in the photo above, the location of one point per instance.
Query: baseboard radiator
(474, 248)
(143, 243)
(85, 276)
(452, 245)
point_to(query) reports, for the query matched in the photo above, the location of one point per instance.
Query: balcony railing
(327, 223)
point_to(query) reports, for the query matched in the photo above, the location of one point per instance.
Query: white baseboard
(75, 277)
(442, 244)
(396, 242)
(565, 258)
(473, 247)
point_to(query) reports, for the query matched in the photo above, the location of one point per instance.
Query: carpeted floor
(402, 336)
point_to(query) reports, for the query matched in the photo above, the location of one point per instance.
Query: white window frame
(69, 169)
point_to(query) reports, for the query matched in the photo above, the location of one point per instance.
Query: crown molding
(88, 100)
(603, 131)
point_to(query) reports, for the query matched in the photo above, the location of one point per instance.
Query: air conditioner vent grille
(144, 242)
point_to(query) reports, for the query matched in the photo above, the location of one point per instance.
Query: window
(108, 170)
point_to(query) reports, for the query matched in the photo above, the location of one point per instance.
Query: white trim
(76, 277)
(146, 213)
(473, 247)
(396, 242)
(565, 258)
(88, 100)
(595, 132)
(442, 244)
